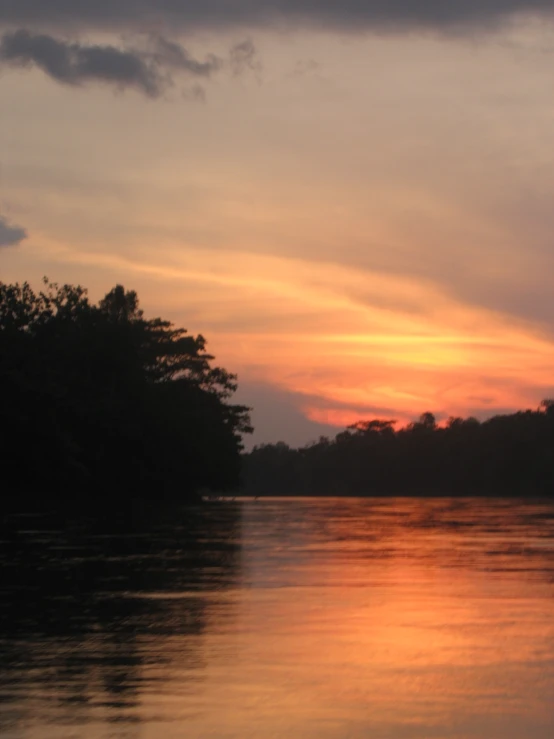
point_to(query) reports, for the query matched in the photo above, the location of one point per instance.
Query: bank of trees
(505, 455)
(97, 399)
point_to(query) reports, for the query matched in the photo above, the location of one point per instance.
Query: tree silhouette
(505, 455)
(98, 399)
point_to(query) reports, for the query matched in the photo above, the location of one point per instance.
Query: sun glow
(348, 343)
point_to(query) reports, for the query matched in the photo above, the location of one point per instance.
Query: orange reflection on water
(397, 619)
(400, 619)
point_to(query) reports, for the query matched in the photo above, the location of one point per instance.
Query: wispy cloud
(171, 54)
(343, 356)
(10, 235)
(244, 56)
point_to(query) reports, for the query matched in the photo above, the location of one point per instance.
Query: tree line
(96, 399)
(510, 454)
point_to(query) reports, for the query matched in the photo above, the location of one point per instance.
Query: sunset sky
(352, 201)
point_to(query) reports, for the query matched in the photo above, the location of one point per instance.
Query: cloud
(148, 70)
(306, 329)
(11, 235)
(172, 54)
(190, 14)
(277, 414)
(243, 57)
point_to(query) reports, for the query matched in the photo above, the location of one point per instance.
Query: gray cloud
(148, 67)
(74, 64)
(10, 235)
(148, 70)
(189, 14)
(174, 55)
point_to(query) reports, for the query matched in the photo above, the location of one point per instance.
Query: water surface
(335, 619)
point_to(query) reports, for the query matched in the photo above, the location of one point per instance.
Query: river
(298, 618)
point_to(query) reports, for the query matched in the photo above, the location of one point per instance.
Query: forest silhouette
(99, 401)
(505, 455)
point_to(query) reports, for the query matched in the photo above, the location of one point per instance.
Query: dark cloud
(149, 66)
(188, 14)
(10, 235)
(74, 64)
(147, 70)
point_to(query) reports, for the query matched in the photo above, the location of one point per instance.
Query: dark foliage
(506, 455)
(97, 399)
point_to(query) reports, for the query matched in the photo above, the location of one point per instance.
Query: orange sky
(359, 224)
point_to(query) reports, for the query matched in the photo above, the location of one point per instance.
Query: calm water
(335, 619)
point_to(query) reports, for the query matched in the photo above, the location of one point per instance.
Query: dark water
(332, 619)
